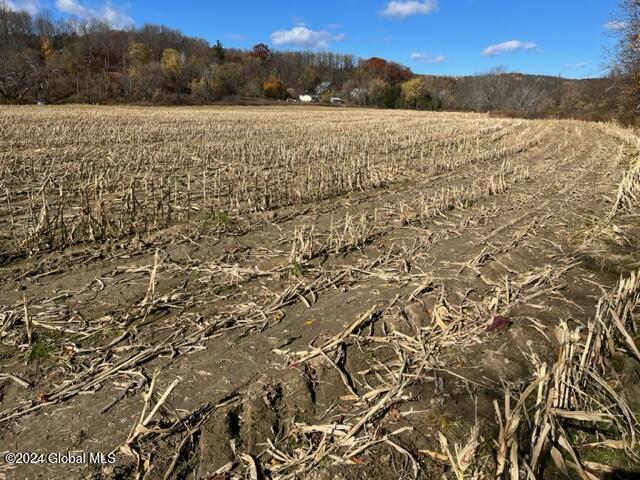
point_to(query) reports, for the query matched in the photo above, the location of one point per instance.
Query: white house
(309, 98)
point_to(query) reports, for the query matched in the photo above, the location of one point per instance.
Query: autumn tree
(375, 66)
(260, 51)
(139, 54)
(144, 75)
(46, 48)
(275, 89)
(390, 72)
(210, 88)
(231, 76)
(415, 94)
(233, 58)
(172, 63)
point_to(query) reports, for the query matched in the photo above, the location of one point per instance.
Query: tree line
(87, 61)
(626, 59)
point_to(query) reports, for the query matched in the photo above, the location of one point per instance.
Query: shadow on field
(623, 475)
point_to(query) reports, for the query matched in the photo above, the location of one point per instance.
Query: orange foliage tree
(274, 88)
(260, 51)
(388, 71)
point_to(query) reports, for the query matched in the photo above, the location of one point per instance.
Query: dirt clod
(215, 438)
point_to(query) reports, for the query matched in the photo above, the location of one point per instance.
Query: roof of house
(322, 87)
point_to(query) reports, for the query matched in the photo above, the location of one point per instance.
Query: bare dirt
(335, 337)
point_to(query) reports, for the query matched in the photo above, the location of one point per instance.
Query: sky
(442, 37)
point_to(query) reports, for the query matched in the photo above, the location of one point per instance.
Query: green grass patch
(224, 288)
(295, 269)
(221, 218)
(608, 456)
(42, 348)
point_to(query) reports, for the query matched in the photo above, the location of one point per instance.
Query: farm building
(309, 98)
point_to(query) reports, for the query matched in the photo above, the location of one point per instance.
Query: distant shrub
(415, 94)
(274, 88)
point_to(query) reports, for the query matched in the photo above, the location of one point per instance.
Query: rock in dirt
(417, 315)
(504, 366)
(426, 312)
(397, 323)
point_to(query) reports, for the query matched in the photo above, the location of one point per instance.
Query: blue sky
(456, 37)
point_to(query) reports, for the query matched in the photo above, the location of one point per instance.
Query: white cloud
(403, 9)
(29, 6)
(423, 57)
(106, 13)
(615, 25)
(72, 7)
(511, 46)
(575, 66)
(115, 17)
(304, 37)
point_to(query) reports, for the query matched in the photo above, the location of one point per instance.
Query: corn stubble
(86, 175)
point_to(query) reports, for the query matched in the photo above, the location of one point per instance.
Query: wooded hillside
(53, 61)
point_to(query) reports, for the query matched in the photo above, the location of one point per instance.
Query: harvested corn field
(280, 293)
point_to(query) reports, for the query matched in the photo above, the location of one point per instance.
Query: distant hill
(529, 95)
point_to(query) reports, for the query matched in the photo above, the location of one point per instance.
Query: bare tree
(527, 97)
(626, 28)
(19, 75)
(483, 92)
